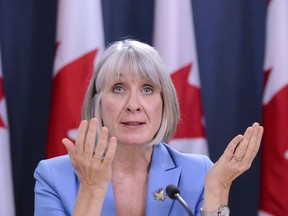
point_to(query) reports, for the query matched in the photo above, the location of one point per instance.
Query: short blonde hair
(144, 62)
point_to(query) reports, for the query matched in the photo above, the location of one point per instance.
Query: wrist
(223, 210)
(215, 197)
(217, 183)
(89, 201)
(92, 192)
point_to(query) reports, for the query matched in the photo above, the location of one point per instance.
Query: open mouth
(133, 123)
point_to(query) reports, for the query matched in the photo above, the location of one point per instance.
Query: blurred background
(230, 42)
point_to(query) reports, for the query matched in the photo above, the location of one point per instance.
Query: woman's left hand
(236, 159)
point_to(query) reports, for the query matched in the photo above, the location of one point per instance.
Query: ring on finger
(237, 158)
(99, 157)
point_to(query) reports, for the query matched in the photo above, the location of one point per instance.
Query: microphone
(174, 193)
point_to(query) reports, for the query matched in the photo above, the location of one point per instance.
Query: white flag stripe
(262, 213)
(6, 183)
(192, 145)
(174, 22)
(72, 26)
(276, 48)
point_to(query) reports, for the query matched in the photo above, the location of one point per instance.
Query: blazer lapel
(163, 172)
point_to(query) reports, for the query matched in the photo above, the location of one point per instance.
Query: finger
(91, 138)
(70, 148)
(80, 139)
(110, 151)
(101, 144)
(242, 147)
(255, 141)
(260, 135)
(228, 153)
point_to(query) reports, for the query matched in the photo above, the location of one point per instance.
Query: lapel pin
(159, 195)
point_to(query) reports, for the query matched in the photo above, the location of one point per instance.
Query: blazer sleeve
(47, 200)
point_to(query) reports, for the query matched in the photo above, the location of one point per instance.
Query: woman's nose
(133, 103)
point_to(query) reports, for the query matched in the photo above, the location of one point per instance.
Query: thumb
(70, 147)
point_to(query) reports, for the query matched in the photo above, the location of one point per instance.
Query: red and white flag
(6, 183)
(80, 40)
(274, 163)
(175, 40)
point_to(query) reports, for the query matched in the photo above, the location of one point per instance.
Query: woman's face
(131, 109)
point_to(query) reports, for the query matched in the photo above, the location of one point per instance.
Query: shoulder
(56, 186)
(56, 164)
(193, 161)
(55, 169)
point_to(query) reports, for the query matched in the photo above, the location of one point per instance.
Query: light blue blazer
(57, 184)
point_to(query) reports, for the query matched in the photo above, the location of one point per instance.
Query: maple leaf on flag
(70, 78)
(79, 39)
(191, 116)
(274, 151)
(175, 40)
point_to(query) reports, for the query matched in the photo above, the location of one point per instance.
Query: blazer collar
(163, 172)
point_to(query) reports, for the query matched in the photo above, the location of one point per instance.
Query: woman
(119, 164)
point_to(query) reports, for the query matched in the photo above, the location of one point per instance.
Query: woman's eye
(148, 90)
(118, 89)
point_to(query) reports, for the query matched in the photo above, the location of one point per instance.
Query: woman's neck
(130, 178)
(129, 159)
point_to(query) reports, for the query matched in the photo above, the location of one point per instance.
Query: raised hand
(92, 161)
(236, 159)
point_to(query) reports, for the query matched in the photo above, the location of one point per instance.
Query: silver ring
(99, 157)
(237, 158)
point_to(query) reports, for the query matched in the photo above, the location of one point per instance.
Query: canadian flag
(6, 183)
(80, 40)
(175, 40)
(274, 163)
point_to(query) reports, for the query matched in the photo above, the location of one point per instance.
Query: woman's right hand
(92, 161)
